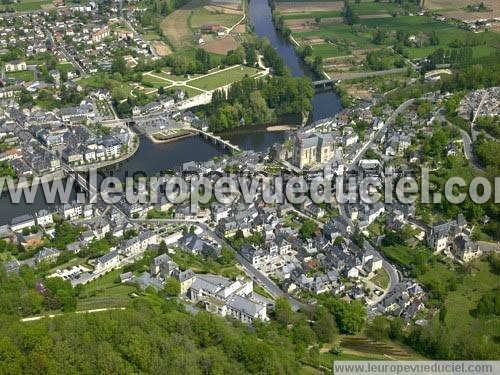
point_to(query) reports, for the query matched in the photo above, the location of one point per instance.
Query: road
(394, 275)
(348, 76)
(39, 317)
(131, 28)
(472, 130)
(256, 275)
(389, 121)
(68, 55)
(468, 151)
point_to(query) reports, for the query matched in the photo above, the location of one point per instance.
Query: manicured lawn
(191, 91)
(25, 75)
(223, 78)
(381, 279)
(151, 81)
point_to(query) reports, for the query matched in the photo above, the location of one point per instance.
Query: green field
(25, 75)
(223, 78)
(201, 16)
(367, 8)
(465, 298)
(408, 23)
(150, 81)
(381, 279)
(320, 14)
(488, 43)
(27, 5)
(204, 266)
(65, 67)
(329, 50)
(340, 32)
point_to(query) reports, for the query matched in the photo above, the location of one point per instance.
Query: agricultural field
(457, 8)
(344, 48)
(181, 26)
(175, 26)
(203, 16)
(309, 6)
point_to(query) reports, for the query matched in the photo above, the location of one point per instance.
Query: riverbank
(103, 164)
(170, 139)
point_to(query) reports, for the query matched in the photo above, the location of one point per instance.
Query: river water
(152, 157)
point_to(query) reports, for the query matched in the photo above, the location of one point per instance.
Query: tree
(172, 287)
(302, 334)
(283, 311)
(378, 329)
(325, 327)
(308, 229)
(118, 65)
(350, 17)
(396, 328)
(350, 316)
(227, 255)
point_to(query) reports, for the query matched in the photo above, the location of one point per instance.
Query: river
(153, 157)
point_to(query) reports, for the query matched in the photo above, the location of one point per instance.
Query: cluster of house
(23, 152)
(405, 300)
(24, 31)
(482, 103)
(217, 294)
(91, 43)
(453, 238)
(34, 143)
(26, 34)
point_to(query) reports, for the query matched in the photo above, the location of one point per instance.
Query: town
(103, 86)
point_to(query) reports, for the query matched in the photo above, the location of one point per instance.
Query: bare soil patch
(161, 48)
(175, 26)
(221, 46)
(456, 8)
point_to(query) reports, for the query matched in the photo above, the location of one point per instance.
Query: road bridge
(217, 140)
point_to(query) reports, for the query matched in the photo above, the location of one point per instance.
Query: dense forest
(259, 101)
(156, 334)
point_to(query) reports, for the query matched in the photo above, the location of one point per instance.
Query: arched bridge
(217, 140)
